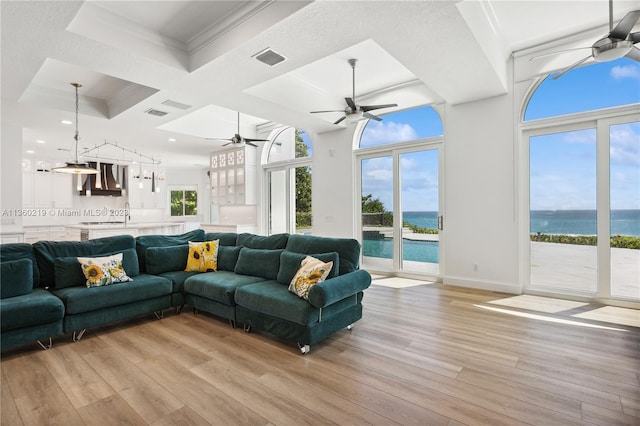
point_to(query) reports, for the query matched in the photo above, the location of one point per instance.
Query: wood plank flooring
(425, 355)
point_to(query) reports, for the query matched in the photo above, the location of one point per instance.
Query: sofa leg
(232, 323)
(350, 327)
(45, 347)
(304, 348)
(159, 314)
(247, 328)
(179, 309)
(195, 311)
(77, 335)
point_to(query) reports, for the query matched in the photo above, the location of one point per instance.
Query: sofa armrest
(338, 288)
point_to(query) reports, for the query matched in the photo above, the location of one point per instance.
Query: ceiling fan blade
(332, 110)
(350, 102)
(225, 144)
(218, 139)
(557, 52)
(624, 27)
(634, 54)
(635, 37)
(371, 116)
(569, 68)
(250, 143)
(366, 108)
(340, 119)
(255, 140)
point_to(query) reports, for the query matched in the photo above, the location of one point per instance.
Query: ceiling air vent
(156, 112)
(269, 57)
(175, 104)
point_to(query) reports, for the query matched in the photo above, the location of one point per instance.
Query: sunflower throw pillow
(312, 271)
(203, 257)
(101, 271)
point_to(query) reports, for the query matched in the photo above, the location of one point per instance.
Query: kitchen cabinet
(33, 234)
(43, 189)
(233, 176)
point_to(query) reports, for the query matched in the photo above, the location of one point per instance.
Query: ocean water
(569, 222)
(583, 222)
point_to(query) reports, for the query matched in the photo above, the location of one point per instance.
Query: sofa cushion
(48, 251)
(228, 257)
(166, 259)
(82, 299)
(177, 279)
(348, 249)
(275, 241)
(203, 257)
(219, 286)
(312, 271)
(104, 270)
(38, 307)
(68, 272)
(259, 263)
(290, 263)
(16, 278)
(274, 299)
(15, 251)
(143, 242)
(226, 238)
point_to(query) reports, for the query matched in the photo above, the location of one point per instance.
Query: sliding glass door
(584, 202)
(400, 192)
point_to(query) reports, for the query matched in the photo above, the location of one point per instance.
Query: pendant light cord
(77, 135)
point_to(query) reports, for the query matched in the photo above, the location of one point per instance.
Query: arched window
(584, 180)
(402, 126)
(597, 86)
(288, 179)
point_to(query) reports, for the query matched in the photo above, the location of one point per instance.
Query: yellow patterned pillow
(101, 271)
(312, 271)
(203, 257)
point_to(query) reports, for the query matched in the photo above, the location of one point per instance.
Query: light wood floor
(427, 355)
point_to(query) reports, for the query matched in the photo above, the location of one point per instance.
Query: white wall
(480, 205)
(11, 177)
(333, 184)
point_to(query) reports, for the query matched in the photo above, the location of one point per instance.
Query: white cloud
(626, 71)
(625, 144)
(383, 132)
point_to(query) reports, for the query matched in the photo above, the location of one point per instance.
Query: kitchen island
(90, 230)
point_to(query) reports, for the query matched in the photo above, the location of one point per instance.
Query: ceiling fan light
(612, 51)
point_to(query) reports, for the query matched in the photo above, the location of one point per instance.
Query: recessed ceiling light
(41, 141)
(30, 151)
(172, 140)
(66, 122)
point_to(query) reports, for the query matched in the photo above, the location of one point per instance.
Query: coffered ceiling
(196, 62)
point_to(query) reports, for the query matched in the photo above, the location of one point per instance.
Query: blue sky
(563, 165)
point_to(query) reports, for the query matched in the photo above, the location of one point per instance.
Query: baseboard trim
(482, 285)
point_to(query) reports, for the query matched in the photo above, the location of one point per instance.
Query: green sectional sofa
(250, 286)
(28, 312)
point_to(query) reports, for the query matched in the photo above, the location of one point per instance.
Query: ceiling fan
(237, 139)
(352, 107)
(618, 43)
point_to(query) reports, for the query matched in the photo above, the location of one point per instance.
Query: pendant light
(76, 167)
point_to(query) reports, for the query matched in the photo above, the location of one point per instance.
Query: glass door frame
(601, 121)
(289, 167)
(395, 151)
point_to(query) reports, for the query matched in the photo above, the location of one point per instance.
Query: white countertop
(130, 225)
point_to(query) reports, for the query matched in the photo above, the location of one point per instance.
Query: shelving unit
(232, 175)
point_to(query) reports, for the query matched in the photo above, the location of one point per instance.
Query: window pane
(303, 199)
(190, 203)
(595, 86)
(402, 126)
(563, 211)
(289, 144)
(624, 149)
(177, 203)
(377, 213)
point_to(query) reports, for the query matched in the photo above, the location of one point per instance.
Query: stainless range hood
(109, 185)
